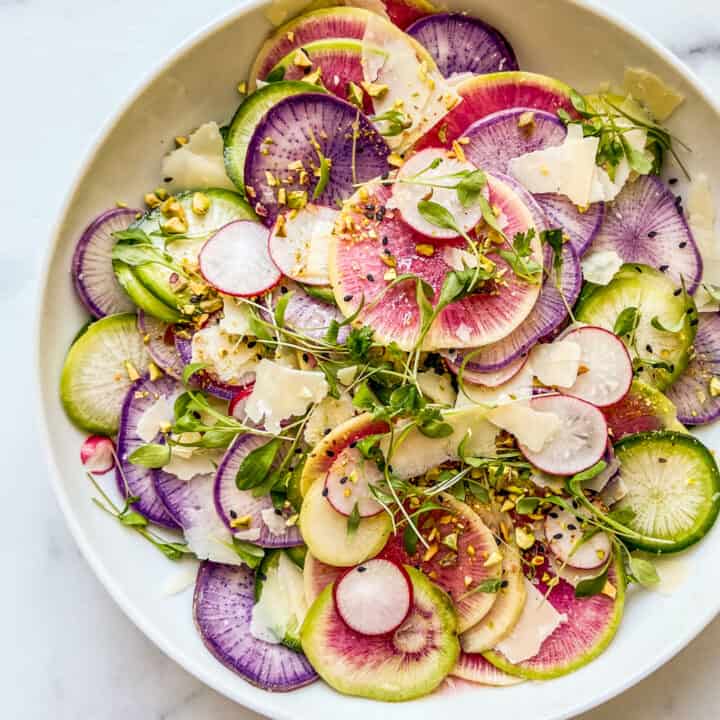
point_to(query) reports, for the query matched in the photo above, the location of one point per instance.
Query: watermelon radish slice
(694, 394)
(348, 483)
(475, 668)
(317, 575)
(97, 454)
(645, 226)
(589, 628)
(487, 94)
(232, 504)
(299, 243)
(159, 339)
(563, 531)
(358, 267)
(236, 407)
(236, 261)
(405, 12)
(494, 378)
(374, 598)
(310, 315)
(403, 665)
(302, 131)
(580, 441)
(460, 43)
(92, 271)
(136, 480)
(222, 609)
(606, 364)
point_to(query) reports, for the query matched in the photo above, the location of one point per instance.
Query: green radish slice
(328, 537)
(142, 297)
(99, 369)
(657, 300)
(473, 667)
(673, 487)
(406, 664)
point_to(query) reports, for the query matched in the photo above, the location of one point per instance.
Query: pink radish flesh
(348, 483)
(609, 371)
(563, 531)
(97, 454)
(488, 379)
(579, 442)
(374, 598)
(236, 260)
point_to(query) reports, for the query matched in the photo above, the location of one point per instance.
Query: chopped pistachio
(526, 119)
(242, 521)
(297, 199)
(714, 386)
(301, 59)
(152, 200)
(200, 203)
(609, 590)
(459, 153)
(355, 94)
(181, 140)
(131, 371)
(450, 540)
(155, 372)
(493, 559)
(242, 87)
(390, 275)
(524, 538)
(374, 90)
(430, 553)
(121, 204)
(314, 77)
(174, 226)
(162, 193)
(425, 249)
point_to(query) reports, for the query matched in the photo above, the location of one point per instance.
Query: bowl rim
(250, 698)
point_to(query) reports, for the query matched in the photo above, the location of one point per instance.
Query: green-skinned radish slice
(348, 484)
(99, 369)
(673, 488)
(317, 575)
(563, 533)
(695, 393)
(406, 664)
(362, 248)
(142, 297)
(645, 226)
(587, 628)
(666, 320)
(473, 667)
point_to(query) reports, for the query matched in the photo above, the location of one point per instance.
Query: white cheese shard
(249, 535)
(327, 415)
(437, 388)
(181, 579)
(347, 375)
(236, 317)
(459, 259)
(658, 97)
(160, 414)
(273, 521)
(199, 163)
(701, 218)
(538, 621)
(281, 392)
(530, 427)
(556, 364)
(198, 461)
(226, 358)
(600, 267)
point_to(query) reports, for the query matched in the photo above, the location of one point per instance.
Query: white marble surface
(66, 650)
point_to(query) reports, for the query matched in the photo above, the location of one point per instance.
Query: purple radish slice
(97, 454)
(311, 316)
(303, 130)
(644, 225)
(473, 667)
(563, 531)
(232, 503)
(459, 43)
(299, 243)
(236, 261)
(348, 482)
(159, 340)
(581, 226)
(136, 480)
(374, 598)
(607, 370)
(580, 441)
(92, 271)
(222, 609)
(489, 379)
(696, 393)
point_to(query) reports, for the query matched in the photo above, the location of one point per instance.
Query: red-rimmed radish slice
(407, 193)
(563, 531)
(646, 226)
(97, 454)
(494, 378)
(580, 440)
(348, 484)
(299, 243)
(236, 261)
(606, 371)
(159, 339)
(92, 271)
(236, 408)
(474, 668)
(374, 598)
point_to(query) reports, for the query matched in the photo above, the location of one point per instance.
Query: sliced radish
(579, 442)
(348, 484)
(412, 187)
(563, 532)
(236, 408)
(606, 371)
(374, 598)
(299, 243)
(236, 261)
(487, 379)
(97, 454)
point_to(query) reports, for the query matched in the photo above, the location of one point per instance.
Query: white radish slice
(299, 244)
(606, 370)
(494, 378)
(412, 187)
(579, 442)
(563, 532)
(97, 454)
(236, 260)
(348, 483)
(374, 598)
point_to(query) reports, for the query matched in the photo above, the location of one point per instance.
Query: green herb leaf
(593, 585)
(574, 484)
(410, 540)
(359, 342)
(319, 292)
(626, 322)
(480, 492)
(190, 369)
(470, 187)
(527, 505)
(675, 327)
(281, 307)
(256, 465)
(250, 554)
(578, 102)
(644, 571)
(365, 398)
(437, 215)
(324, 178)
(554, 238)
(133, 519)
(173, 551)
(353, 521)
(152, 455)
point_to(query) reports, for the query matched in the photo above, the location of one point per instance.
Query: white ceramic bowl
(558, 37)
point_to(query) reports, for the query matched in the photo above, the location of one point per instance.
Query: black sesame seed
(326, 431)
(571, 526)
(370, 277)
(370, 207)
(298, 449)
(324, 492)
(362, 568)
(233, 515)
(575, 504)
(664, 268)
(305, 357)
(278, 512)
(672, 366)
(554, 515)
(652, 234)
(648, 348)
(638, 269)
(694, 322)
(380, 214)
(557, 536)
(347, 298)
(343, 480)
(252, 344)
(682, 245)
(677, 292)
(662, 460)
(353, 443)
(330, 453)
(283, 290)
(195, 299)
(673, 181)
(385, 240)
(504, 584)
(167, 179)
(262, 577)
(639, 369)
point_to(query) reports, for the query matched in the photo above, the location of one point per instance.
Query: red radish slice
(407, 193)
(299, 243)
(374, 598)
(580, 441)
(236, 408)
(236, 261)
(563, 532)
(348, 484)
(488, 379)
(609, 368)
(97, 454)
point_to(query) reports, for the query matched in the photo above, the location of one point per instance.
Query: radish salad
(406, 354)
